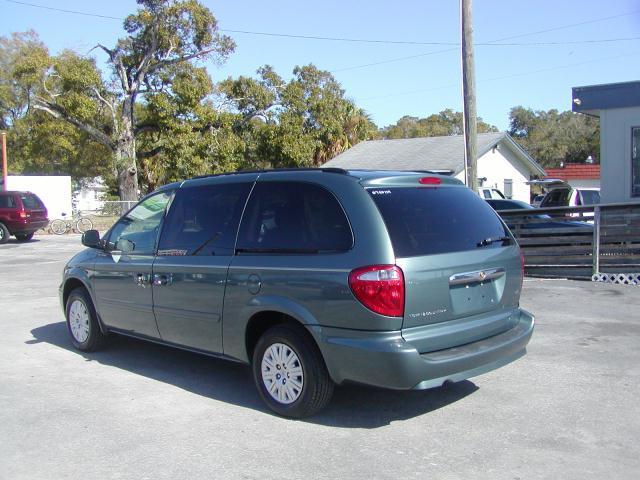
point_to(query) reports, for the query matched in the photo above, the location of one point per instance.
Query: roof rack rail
(340, 171)
(443, 171)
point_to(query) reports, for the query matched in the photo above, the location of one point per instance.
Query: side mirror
(91, 239)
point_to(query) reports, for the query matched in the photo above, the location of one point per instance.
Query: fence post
(596, 240)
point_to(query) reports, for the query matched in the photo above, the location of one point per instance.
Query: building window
(635, 162)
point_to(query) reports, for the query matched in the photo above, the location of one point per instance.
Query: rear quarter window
(293, 217)
(31, 202)
(428, 221)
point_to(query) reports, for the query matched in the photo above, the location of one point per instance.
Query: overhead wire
(495, 42)
(501, 77)
(384, 41)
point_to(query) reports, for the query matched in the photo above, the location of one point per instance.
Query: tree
(39, 143)
(447, 122)
(552, 137)
(161, 36)
(303, 122)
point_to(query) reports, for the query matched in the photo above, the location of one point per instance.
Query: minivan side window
(293, 217)
(137, 231)
(203, 220)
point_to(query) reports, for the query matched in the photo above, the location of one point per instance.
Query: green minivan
(314, 277)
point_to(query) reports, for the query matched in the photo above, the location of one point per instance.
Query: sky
(554, 45)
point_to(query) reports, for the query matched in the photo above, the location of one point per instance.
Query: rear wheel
(84, 224)
(25, 237)
(290, 373)
(58, 226)
(4, 233)
(82, 322)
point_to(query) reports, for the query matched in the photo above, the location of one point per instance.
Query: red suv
(21, 214)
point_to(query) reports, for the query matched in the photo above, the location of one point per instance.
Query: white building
(502, 163)
(53, 190)
(90, 197)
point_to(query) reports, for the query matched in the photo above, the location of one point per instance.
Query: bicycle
(60, 226)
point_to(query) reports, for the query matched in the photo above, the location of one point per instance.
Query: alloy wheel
(79, 321)
(282, 373)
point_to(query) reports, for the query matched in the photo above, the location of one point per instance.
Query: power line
(502, 77)
(562, 27)
(382, 41)
(406, 42)
(75, 12)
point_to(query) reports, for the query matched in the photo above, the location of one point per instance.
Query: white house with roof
(502, 163)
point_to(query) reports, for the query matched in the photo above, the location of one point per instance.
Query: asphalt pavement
(569, 409)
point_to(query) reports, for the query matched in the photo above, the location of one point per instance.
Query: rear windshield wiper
(490, 240)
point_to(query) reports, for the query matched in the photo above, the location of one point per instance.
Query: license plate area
(475, 292)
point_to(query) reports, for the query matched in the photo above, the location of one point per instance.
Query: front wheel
(290, 373)
(84, 224)
(82, 322)
(58, 226)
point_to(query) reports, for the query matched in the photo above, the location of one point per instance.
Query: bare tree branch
(183, 58)
(119, 66)
(150, 153)
(110, 105)
(143, 67)
(48, 92)
(145, 127)
(58, 112)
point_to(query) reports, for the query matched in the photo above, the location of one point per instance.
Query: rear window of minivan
(434, 220)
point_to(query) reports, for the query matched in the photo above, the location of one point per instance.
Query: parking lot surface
(570, 409)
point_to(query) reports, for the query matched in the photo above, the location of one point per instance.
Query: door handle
(161, 280)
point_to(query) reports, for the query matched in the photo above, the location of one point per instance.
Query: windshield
(428, 221)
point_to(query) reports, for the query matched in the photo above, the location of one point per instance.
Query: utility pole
(469, 122)
(5, 187)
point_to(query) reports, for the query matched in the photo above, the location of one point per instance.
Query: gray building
(502, 163)
(618, 106)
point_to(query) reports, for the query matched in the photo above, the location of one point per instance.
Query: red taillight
(430, 181)
(379, 288)
(24, 214)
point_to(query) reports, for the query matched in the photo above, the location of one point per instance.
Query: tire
(82, 322)
(58, 226)
(4, 233)
(25, 237)
(83, 224)
(291, 346)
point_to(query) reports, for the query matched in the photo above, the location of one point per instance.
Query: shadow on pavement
(15, 242)
(352, 406)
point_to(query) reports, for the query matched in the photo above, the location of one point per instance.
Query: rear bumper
(23, 227)
(386, 360)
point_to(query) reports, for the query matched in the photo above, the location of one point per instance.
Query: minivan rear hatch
(458, 258)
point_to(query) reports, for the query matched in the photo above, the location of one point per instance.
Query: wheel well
(260, 323)
(69, 287)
